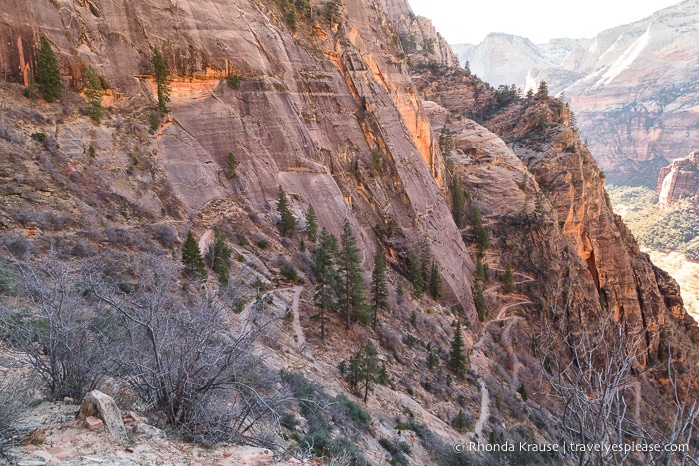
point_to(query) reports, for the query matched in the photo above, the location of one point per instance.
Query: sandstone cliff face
(418, 36)
(566, 175)
(637, 103)
(311, 108)
(679, 180)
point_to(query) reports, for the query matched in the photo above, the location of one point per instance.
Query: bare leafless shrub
(82, 249)
(17, 244)
(116, 235)
(165, 235)
(17, 391)
(53, 326)
(185, 356)
(593, 379)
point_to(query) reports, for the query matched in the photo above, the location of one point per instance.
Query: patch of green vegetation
(670, 229)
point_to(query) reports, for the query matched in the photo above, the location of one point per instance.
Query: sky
(469, 21)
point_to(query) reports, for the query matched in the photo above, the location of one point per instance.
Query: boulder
(97, 404)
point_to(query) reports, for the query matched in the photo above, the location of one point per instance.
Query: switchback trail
(485, 396)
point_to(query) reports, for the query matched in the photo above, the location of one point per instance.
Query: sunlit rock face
(679, 180)
(634, 88)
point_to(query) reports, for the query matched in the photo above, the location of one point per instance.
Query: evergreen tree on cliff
(379, 287)
(311, 224)
(191, 258)
(219, 257)
(351, 283)
(48, 74)
(325, 296)
(457, 360)
(288, 221)
(161, 81)
(94, 92)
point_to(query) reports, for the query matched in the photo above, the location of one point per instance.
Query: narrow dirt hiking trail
(204, 241)
(296, 324)
(485, 396)
(485, 408)
(507, 343)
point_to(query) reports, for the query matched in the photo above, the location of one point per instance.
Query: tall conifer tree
(191, 257)
(48, 74)
(311, 224)
(379, 287)
(457, 359)
(161, 81)
(325, 295)
(288, 221)
(94, 92)
(351, 283)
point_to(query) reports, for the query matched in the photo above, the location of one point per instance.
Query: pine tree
(232, 165)
(425, 260)
(457, 203)
(479, 301)
(325, 295)
(288, 221)
(543, 90)
(480, 232)
(508, 280)
(191, 257)
(415, 271)
(457, 360)
(460, 423)
(379, 287)
(435, 284)
(351, 288)
(161, 81)
(371, 367)
(311, 224)
(94, 92)
(364, 369)
(480, 270)
(48, 74)
(219, 257)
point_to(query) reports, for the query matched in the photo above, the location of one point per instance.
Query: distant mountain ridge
(504, 59)
(634, 88)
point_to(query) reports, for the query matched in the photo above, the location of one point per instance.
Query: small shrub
(289, 272)
(289, 421)
(234, 81)
(38, 136)
(360, 418)
(397, 451)
(462, 422)
(91, 150)
(262, 244)
(522, 390)
(153, 121)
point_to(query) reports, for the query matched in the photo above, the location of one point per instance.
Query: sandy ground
(685, 272)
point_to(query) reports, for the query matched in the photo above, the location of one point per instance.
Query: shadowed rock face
(679, 180)
(308, 113)
(559, 205)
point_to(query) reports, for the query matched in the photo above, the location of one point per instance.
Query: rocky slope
(566, 200)
(326, 106)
